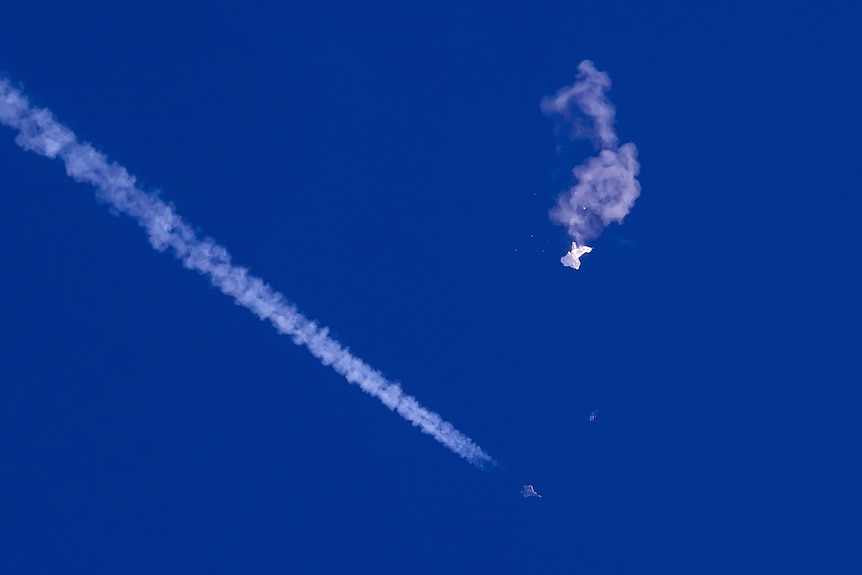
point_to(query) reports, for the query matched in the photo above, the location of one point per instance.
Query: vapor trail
(606, 186)
(39, 132)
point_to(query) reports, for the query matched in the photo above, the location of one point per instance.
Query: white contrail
(39, 132)
(606, 187)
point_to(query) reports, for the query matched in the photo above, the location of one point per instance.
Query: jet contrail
(39, 132)
(606, 187)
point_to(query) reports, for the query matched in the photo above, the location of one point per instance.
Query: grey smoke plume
(605, 186)
(39, 132)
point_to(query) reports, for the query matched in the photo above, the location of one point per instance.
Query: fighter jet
(528, 491)
(573, 258)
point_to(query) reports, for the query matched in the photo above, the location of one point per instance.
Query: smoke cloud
(605, 186)
(39, 132)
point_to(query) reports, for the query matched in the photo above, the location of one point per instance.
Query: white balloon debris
(573, 258)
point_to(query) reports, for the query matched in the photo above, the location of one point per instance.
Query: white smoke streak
(39, 132)
(606, 186)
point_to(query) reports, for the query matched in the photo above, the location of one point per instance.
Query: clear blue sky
(388, 169)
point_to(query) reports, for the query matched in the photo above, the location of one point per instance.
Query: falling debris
(606, 185)
(594, 414)
(573, 258)
(529, 491)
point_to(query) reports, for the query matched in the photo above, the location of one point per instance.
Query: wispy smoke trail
(606, 187)
(39, 132)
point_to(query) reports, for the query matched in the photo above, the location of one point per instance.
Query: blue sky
(389, 170)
